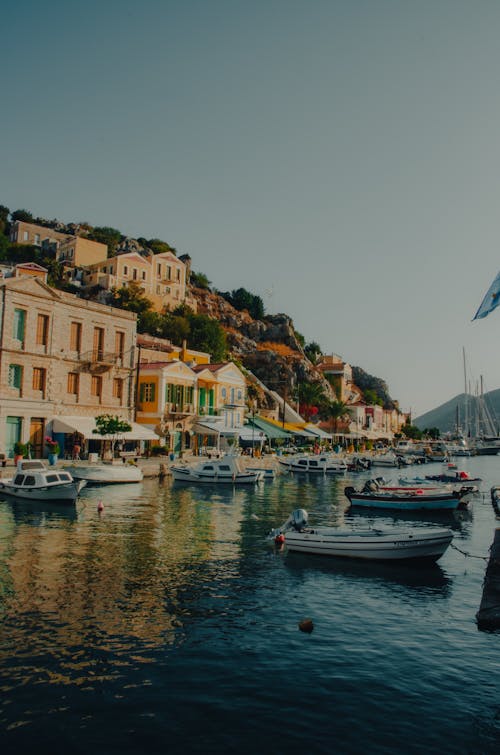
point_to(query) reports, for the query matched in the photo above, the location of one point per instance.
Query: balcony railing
(179, 408)
(97, 361)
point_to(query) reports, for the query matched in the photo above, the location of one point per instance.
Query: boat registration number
(406, 543)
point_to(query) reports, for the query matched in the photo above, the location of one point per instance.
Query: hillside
(444, 417)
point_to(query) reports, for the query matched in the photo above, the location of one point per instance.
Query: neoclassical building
(61, 357)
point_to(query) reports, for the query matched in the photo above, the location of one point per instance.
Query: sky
(338, 158)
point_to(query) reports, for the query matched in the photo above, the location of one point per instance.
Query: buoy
(279, 539)
(100, 506)
(306, 625)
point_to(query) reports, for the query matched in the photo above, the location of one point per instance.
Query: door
(13, 426)
(98, 345)
(37, 427)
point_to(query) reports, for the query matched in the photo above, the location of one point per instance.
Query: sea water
(168, 623)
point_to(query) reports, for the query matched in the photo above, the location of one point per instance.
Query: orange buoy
(306, 625)
(279, 539)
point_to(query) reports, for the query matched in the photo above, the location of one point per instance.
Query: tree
(200, 280)
(133, 299)
(158, 246)
(208, 335)
(4, 218)
(111, 425)
(313, 351)
(333, 411)
(106, 235)
(310, 397)
(22, 215)
(242, 299)
(411, 431)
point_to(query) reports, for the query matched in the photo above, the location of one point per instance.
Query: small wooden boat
(372, 496)
(34, 481)
(419, 544)
(228, 470)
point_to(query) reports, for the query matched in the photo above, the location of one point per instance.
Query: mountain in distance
(444, 417)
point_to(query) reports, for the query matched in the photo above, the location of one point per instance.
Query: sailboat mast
(466, 402)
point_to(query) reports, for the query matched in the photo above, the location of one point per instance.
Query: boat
(35, 481)
(316, 464)
(388, 459)
(227, 470)
(372, 496)
(106, 474)
(418, 544)
(451, 476)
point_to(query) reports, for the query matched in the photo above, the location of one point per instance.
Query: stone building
(60, 357)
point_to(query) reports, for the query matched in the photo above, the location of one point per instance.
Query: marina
(150, 611)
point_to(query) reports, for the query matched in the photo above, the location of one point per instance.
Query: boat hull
(444, 502)
(57, 494)
(418, 545)
(106, 474)
(189, 476)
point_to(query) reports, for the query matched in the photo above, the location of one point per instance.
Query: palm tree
(333, 411)
(310, 396)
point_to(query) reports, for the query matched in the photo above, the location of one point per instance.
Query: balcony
(179, 409)
(97, 361)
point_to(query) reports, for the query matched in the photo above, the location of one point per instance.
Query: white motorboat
(419, 544)
(227, 470)
(106, 474)
(316, 464)
(34, 481)
(388, 459)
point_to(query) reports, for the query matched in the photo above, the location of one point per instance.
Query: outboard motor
(298, 519)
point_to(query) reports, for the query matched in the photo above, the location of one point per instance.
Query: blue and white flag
(490, 301)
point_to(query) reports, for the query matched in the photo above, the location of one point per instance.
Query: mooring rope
(465, 553)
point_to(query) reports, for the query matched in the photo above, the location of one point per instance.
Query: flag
(490, 301)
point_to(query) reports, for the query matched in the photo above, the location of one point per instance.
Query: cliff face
(268, 348)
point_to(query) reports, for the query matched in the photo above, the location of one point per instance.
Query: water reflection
(430, 578)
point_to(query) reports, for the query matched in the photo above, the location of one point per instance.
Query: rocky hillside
(269, 348)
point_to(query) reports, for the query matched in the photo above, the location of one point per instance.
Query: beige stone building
(35, 235)
(161, 276)
(76, 251)
(63, 361)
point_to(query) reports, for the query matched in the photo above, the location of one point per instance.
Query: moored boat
(315, 464)
(418, 544)
(106, 474)
(371, 496)
(34, 481)
(227, 470)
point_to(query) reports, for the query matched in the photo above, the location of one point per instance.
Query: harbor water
(168, 623)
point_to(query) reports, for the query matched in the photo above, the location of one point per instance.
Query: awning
(268, 429)
(319, 432)
(86, 425)
(206, 428)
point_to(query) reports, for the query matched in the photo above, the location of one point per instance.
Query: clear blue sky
(340, 158)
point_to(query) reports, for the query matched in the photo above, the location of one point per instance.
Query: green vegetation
(106, 235)
(242, 299)
(112, 425)
(374, 389)
(200, 280)
(313, 351)
(410, 431)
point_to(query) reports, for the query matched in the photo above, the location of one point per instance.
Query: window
(39, 374)
(96, 386)
(134, 273)
(178, 275)
(158, 289)
(118, 388)
(42, 330)
(37, 239)
(125, 270)
(19, 324)
(15, 376)
(147, 392)
(98, 345)
(143, 275)
(25, 236)
(169, 273)
(119, 344)
(158, 270)
(73, 382)
(75, 342)
(223, 393)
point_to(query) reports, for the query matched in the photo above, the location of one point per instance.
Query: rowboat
(418, 544)
(372, 496)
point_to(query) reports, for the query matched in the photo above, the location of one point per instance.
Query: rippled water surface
(167, 623)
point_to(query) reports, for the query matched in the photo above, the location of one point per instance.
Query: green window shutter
(141, 392)
(153, 387)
